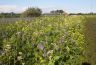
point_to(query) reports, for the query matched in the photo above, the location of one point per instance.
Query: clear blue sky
(47, 5)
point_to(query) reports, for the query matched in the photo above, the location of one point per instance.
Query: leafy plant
(56, 40)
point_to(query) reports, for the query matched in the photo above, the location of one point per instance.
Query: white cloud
(7, 8)
(20, 9)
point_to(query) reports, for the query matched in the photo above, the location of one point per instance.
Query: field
(49, 40)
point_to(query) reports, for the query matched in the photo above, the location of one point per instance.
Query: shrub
(32, 12)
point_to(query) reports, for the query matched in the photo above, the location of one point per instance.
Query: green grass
(90, 35)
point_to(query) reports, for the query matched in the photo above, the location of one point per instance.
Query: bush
(32, 12)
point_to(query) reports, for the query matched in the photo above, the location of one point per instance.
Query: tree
(32, 12)
(57, 12)
(52, 12)
(79, 13)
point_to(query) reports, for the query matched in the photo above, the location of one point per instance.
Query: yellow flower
(42, 61)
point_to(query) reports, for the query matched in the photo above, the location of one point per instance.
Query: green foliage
(58, 12)
(90, 36)
(56, 40)
(32, 12)
(9, 15)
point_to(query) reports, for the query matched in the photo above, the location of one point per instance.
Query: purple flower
(40, 46)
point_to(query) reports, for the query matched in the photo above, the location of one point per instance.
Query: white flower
(23, 63)
(7, 47)
(20, 53)
(18, 33)
(63, 36)
(50, 52)
(50, 57)
(49, 25)
(19, 58)
(35, 33)
(3, 53)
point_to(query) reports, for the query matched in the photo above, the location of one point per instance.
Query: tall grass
(55, 40)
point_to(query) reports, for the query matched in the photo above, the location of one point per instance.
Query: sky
(70, 6)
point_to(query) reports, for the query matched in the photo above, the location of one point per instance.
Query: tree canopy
(57, 12)
(32, 12)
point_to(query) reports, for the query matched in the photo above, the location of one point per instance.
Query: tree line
(35, 12)
(30, 12)
(9, 15)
